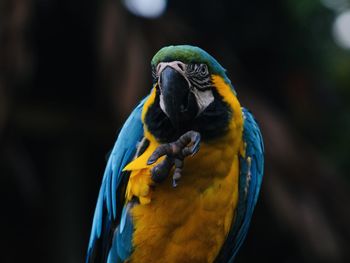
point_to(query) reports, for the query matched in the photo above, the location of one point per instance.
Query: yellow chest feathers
(189, 223)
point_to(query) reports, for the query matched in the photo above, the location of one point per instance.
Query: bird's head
(186, 91)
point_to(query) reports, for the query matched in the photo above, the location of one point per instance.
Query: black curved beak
(180, 104)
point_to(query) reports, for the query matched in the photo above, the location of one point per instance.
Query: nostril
(181, 66)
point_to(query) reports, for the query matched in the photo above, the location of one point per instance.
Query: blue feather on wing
(109, 207)
(250, 179)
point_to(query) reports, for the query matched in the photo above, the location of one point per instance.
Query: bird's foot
(175, 152)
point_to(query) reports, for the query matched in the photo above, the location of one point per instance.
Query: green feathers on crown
(190, 54)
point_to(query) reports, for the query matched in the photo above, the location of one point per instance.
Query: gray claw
(161, 171)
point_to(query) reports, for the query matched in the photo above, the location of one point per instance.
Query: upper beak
(178, 102)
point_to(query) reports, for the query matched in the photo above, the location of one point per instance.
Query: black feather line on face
(212, 123)
(199, 76)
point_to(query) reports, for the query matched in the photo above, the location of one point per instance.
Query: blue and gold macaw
(184, 175)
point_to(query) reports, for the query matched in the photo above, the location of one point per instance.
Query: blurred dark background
(71, 72)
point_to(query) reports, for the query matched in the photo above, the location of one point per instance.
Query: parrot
(183, 178)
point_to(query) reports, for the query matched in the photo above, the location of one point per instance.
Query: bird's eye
(203, 69)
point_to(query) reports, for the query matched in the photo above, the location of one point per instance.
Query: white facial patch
(203, 98)
(177, 65)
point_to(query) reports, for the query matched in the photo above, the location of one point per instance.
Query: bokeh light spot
(146, 8)
(341, 29)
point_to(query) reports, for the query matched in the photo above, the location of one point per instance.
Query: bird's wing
(250, 178)
(111, 210)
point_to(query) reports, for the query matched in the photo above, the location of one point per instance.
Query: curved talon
(161, 171)
(176, 152)
(164, 149)
(177, 172)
